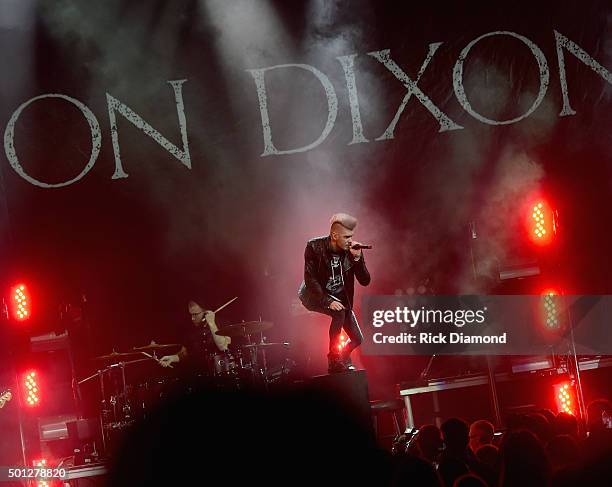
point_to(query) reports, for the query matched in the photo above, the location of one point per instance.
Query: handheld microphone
(360, 246)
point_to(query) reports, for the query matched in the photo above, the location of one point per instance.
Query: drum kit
(123, 402)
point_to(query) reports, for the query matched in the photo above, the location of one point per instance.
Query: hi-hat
(243, 329)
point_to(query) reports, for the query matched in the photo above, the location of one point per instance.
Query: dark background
(236, 223)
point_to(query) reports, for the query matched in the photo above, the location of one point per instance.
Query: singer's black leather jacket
(317, 271)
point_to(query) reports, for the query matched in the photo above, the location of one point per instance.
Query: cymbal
(243, 329)
(135, 361)
(254, 345)
(116, 355)
(155, 346)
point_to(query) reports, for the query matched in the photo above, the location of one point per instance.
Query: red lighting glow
(565, 398)
(20, 302)
(42, 463)
(541, 223)
(342, 341)
(550, 300)
(31, 389)
(552, 313)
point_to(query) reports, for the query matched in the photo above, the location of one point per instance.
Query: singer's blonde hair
(347, 221)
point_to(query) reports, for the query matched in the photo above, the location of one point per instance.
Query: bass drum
(151, 393)
(229, 372)
(223, 364)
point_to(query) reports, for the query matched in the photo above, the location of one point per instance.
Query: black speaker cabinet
(350, 391)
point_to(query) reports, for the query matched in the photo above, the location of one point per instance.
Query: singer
(330, 265)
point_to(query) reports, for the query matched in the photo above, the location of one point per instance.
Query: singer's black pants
(345, 318)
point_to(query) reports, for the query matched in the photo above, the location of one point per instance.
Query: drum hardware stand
(108, 413)
(576, 364)
(257, 371)
(20, 420)
(263, 371)
(104, 411)
(113, 401)
(264, 361)
(126, 409)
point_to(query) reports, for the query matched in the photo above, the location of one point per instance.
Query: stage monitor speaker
(350, 391)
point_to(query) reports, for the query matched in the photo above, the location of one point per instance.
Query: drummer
(200, 339)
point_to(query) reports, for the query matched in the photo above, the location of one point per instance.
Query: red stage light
(551, 315)
(42, 463)
(541, 224)
(20, 302)
(342, 341)
(31, 389)
(565, 398)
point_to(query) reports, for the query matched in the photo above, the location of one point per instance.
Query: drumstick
(228, 303)
(156, 359)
